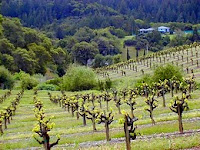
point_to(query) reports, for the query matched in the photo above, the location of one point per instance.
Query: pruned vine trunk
(180, 121)
(127, 136)
(107, 131)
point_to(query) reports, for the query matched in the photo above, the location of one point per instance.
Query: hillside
(185, 57)
(68, 15)
(29, 50)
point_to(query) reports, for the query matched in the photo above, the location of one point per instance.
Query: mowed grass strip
(97, 136)
(172, 143)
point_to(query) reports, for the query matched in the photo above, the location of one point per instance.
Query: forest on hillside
(29, 50)
(65, 16)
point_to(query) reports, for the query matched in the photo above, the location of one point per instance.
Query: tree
(99, 61)
(107, 43)
(32, 36)
(61, 58)
(84, 51)
(195, 36)
(6, 79)
(27, 82)
(8, 62)
(154, 37)
(168, 71)
(117, 58)
(6, 47)
(128, 55)
(25, 60)
(14, 26)
(84, 34)
(41, 55)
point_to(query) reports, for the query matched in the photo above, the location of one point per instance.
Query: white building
(149, 30)
(164, 29)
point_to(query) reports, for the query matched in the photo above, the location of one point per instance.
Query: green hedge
(49, 87)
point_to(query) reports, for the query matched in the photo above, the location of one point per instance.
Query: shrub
(99, 61)
(120, 33)
(130, 42)
(108, 84)
(168, 71)
(6, 79)
(56, 81)
(17, 75)
(145, 79)
(117, 58)
(101, 85)
(27, 82)
(49, 87)
(79, 78)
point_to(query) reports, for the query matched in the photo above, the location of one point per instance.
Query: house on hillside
(149, 30)
(164, 29)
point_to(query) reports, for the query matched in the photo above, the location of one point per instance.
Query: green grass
(155, 144)
(19, 132)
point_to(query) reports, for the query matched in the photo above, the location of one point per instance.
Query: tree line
(28, 50)
(55, 16)
(31, 51)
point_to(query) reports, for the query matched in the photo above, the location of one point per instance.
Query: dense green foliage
(100, 13)
(87, 44)
(79, 78)
(32, 52)
(28, 50)
(6, 79)
(27, 82)
(154, 41)
(49, 87)
(168, 71)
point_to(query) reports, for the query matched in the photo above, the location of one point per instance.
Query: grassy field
(73, 133)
